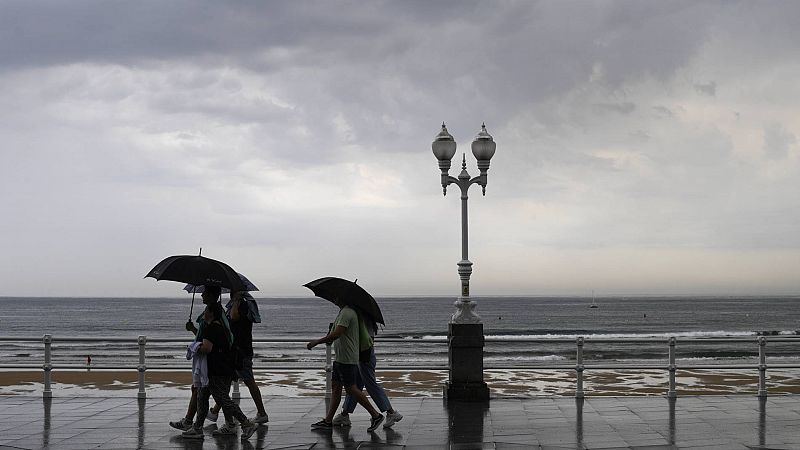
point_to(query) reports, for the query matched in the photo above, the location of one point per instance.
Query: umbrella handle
(191, 307)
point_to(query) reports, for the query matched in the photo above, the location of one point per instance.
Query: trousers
(218, 388)
(366, 380)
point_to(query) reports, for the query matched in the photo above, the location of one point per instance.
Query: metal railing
(672, 367)
(579, 366)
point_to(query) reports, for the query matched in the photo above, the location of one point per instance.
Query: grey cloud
(233, 109)
(460, 62)
(440, 44)
(620, 108)
(759, 33)
(52, 32)
(709, 88)
(778, 142)
(37, 33)
(663, 111)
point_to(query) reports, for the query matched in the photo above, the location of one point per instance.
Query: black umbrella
(199, 288)
(349, 292)
(197, 270)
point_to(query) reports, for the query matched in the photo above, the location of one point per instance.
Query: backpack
(365, 341)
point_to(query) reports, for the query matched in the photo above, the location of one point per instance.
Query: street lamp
(444, 148)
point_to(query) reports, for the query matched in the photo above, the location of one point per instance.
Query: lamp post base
(466, 392)
(465, 363)
(465, 312)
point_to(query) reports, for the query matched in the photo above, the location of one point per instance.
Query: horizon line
(704, 295)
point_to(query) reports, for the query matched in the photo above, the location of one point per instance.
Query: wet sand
(515, 383)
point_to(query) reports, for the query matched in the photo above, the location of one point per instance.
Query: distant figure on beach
(88, 360)
(345, 340)
(216, 345)
(210, 296)
(242, 312)
(366, 377)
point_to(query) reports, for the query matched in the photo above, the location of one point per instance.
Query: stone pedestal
(465, 363)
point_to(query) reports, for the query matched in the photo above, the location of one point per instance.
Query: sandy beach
(514, 383)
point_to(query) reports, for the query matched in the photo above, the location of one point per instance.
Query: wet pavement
(704, 422)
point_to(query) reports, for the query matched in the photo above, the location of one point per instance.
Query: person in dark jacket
(242, 313)
(216, 344)
(210, 296)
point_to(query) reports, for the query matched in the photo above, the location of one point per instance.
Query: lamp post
(465, 331)
(444, 148)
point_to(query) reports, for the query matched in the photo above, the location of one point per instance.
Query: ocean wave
(528, 358)
(677, 334)
(549, 334)
(716, 359)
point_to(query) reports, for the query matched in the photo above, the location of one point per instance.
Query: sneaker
(392, 418)
(342, 420)
(193, 433)
(224, 430)
(374, 422)
(322, 425)
(261, 419)
(183, 424)
(248, 428)
(212, 416)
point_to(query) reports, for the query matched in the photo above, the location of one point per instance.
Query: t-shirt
(346, 346)
(243, 330)
(219, 358)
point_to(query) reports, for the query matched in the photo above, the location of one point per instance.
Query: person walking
(217, 347)
(366, 377)
(210, 296)
(242, 313)
(345, 340)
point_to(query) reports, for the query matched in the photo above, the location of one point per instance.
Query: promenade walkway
(706, 422)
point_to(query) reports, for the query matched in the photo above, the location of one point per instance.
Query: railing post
(47, 367)
(579, 368)
(142, 340)
(762, 367)
(328, 370)
(672, 368)
(236, 394)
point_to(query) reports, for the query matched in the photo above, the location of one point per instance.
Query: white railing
(579, 366)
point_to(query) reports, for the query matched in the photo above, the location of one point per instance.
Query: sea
(416, 320)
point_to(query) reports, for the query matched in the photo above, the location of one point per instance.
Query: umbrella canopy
(199, 288)
(197, 270)
(349, 292)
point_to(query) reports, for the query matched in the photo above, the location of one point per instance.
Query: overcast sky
(643, 147)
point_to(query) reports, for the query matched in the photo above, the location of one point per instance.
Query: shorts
(246, 372)
(344, 374)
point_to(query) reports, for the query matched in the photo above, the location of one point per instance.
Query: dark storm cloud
(369, 62)
(541, 41)
(46, 33)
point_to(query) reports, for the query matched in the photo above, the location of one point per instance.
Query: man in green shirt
(344, 336)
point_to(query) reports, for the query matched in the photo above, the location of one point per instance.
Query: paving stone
(651, 423)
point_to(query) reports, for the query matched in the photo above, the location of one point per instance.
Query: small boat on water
(593, 305)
